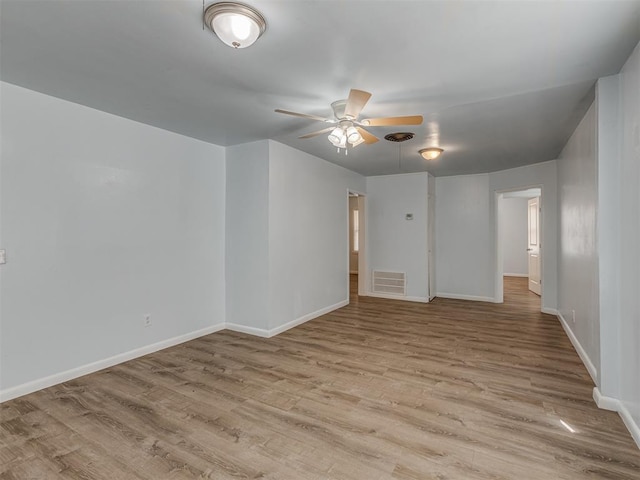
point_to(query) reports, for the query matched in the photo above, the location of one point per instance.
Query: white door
(533, 247)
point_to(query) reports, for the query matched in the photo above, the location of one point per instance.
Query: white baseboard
(55, 379)
(399, 297)
(263, 332)
(305, 318)
(522, 275)
(549, 311)
(605, 403)
(474, 298)
(615, 405)
(258, 332)
(581, 351)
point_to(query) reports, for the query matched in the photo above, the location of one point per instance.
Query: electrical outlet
(573, 316)
(3, 257)
(147, 320)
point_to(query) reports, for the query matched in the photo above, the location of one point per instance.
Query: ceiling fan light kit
(430, 153)
(349, 130)
(236, 24)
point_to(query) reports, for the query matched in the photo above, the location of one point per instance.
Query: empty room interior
(286, 239)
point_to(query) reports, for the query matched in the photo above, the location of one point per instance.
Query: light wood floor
(377, 390)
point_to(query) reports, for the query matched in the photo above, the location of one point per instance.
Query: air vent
(399, 136)
(389, 283)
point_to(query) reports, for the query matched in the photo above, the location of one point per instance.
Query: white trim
(522, 275)
(605, 403)
(404, 298)
(474, 298)
(615, 405)
(549, 311)
(262, 332)
(581, 351)
(56, 378)
(258, 332)
(305, 318)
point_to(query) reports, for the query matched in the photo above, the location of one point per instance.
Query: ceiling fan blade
(304, 115)
(356, 102)
(389, 121)
(315, 134)
(367, 137)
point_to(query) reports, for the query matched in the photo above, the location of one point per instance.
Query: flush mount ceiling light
(430, 153)
(236, 24)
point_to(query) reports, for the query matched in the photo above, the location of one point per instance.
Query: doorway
(356, 248)
(518, 246)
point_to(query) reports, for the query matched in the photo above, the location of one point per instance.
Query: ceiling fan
(347, 129)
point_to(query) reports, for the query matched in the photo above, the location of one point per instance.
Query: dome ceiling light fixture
(236, 24)
(430, 153)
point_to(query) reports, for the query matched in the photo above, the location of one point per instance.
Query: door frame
(498, 267)
(362, 247)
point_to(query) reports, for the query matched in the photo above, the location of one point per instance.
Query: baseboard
(615, 405)
(55, 379)
(474, 298)
(578, 347)
(521, 275)
(605, 403)
(305, 318)
(399, 297)
(549, 311)
(258, 332)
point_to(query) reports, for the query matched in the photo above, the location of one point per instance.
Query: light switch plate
(3, 256)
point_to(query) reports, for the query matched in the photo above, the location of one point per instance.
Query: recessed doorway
(356, 248)
(519, 250)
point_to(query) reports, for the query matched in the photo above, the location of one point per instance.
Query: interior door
(533, 247)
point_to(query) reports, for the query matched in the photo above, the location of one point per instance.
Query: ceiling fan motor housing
(338, 109)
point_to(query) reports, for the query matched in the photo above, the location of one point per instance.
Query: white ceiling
(500, 83)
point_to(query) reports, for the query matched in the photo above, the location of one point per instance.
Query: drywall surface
(608, 230)
(630, 237)
(308, 233)
(431, 234)
(104, 220)
(463, 236)
(578, 261)
(247, 234)
(513, 233)
(394, 243)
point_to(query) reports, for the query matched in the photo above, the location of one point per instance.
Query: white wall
(308, 235)
(578, 261)
(630, 239)
(463, 234)
(104, 220)
(394, 243)
(247, 234)
(466, 237)
(513, 233)
(608, 229)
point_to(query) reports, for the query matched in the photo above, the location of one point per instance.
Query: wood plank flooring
(380, 389)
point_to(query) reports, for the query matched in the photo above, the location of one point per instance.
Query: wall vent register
(389, 283)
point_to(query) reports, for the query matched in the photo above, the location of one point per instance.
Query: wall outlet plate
(3, 256)
(147, 320)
